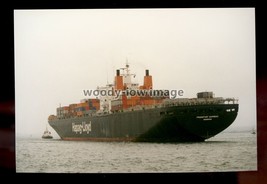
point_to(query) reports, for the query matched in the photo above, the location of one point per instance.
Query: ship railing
(231, 101)
(198, 101)
(181, 102)
(166, 103)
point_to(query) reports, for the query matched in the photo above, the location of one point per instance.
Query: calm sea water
(224, 152)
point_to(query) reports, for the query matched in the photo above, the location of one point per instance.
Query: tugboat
(47, 134)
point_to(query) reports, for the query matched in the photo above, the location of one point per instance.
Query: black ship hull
(192, 123)
(47, 137)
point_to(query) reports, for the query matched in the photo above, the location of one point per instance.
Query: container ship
(119, 114)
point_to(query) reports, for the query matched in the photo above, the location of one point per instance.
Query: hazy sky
(59, 53)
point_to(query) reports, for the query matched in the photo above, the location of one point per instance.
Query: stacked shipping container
(84, 108)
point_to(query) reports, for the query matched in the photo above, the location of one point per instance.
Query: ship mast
(126, 68)
(127, 75)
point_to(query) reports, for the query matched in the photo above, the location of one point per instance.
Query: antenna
(127, 63)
